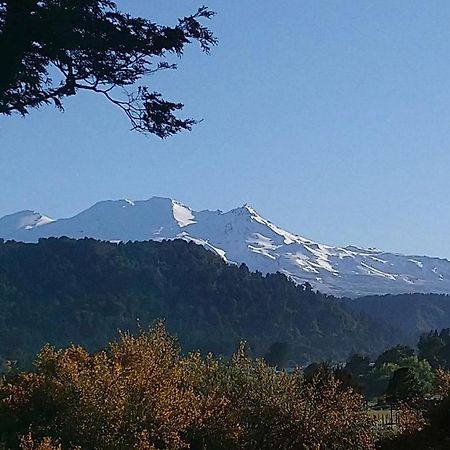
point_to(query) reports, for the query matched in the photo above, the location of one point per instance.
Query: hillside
(243, 236)
(84, 291)
(413, 314)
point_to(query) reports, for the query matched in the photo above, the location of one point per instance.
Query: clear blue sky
(331, 118)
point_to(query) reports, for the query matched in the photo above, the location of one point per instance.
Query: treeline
(63, 291)
(398, 374)
(141, 393)
(412, 314)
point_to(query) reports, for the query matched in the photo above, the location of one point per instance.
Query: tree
(403, 386)
(52, 49)
(358, 364)
(394, 355)
(432, 348)
(355, 372)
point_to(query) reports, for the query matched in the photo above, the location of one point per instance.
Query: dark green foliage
(411, 314)
(403, 386)
(277, 356)
(62, 291)
(52, 49)
(380, 378)
(358, 364)
(394, 355)
(355, 372)
(435, 348)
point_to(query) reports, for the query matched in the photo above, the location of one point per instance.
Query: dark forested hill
(83, 291)
(414, 314)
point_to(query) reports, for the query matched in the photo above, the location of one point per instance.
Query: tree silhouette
(52, 49)
(358, 364)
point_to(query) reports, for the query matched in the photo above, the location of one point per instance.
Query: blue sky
(331, 118)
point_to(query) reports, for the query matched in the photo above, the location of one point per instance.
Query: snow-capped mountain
(23, 220)
(242, 235)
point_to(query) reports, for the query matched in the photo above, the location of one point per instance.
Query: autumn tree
(53, 49)
(136, 393)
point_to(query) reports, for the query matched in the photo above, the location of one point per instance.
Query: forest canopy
(63, 291)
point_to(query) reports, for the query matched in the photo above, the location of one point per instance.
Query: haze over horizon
(332, 121)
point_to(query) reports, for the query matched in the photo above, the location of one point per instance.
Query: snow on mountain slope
(242, 235)
(22, 220)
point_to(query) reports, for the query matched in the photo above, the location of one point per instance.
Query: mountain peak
(23, 220)
(246, 210)
(250, 209)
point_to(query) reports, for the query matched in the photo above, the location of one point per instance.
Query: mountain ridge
(241, 235)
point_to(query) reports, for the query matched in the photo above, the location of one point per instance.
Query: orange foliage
(142, 393)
